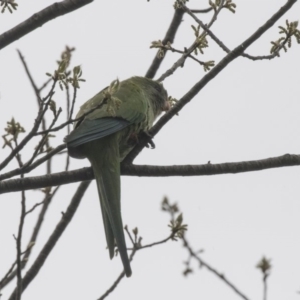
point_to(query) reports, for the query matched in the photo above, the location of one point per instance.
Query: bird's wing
(90, 130)
(100, 123)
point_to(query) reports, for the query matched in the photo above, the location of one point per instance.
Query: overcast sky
(249, 111)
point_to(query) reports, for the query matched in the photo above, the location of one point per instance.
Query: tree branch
(226, 49)
(26, 169)
(19, 247)
(213, 270)
(32, 241)
(231, 56)
(170, 36)
(54, 179)
(38, 19)
(58, 231)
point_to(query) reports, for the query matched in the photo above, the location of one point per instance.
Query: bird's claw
(150, 144)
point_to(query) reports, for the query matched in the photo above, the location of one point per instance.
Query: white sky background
(249, 111)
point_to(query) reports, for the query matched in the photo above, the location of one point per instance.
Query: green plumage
(106, 135)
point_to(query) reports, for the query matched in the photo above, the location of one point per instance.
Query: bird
(107, 129)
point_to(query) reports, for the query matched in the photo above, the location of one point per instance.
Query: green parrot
(106, 135)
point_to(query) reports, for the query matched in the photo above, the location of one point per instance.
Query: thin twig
(265, 292)
(188, 51)
(73, 120)
(120, 277)
(43, 140)
(7, 275)
(58, 231)
(216, 13)
(39, 103)
(26, 169)
(19, 247)
(156, 243)
(30, 135)
(166, 47)
(45, 84)
(213, 270)
(201, 11)
(73, 103)
(35, 88)
(10, 272)
(129, 234)
(169, 37)
(34, 207)
(225, 48)
(113, 287)
(137, 246)
(32, 241)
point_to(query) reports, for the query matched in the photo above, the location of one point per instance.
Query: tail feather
(110, 239)
(104, 157)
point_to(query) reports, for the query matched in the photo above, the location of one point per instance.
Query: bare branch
(72, 120)
(36, 90)
(170, 36)
(19, 247)
(207, 30)
(29, 136)
(211, 269)
(10, 273)
(118, 280)
(34, 207)
(170, 237)
(208, 77)
(32, 241)
(226, 49)
(38, 19)
(54, 179)
(201, 11)
(58, 231)
(26, 169)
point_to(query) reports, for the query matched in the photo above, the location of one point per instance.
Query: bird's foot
(134, 139)
(150, 144)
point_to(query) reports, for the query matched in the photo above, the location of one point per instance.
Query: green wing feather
(133, 108)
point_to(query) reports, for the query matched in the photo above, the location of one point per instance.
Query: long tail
(104, 157)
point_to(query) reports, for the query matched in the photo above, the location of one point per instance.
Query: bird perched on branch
(109, 128)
